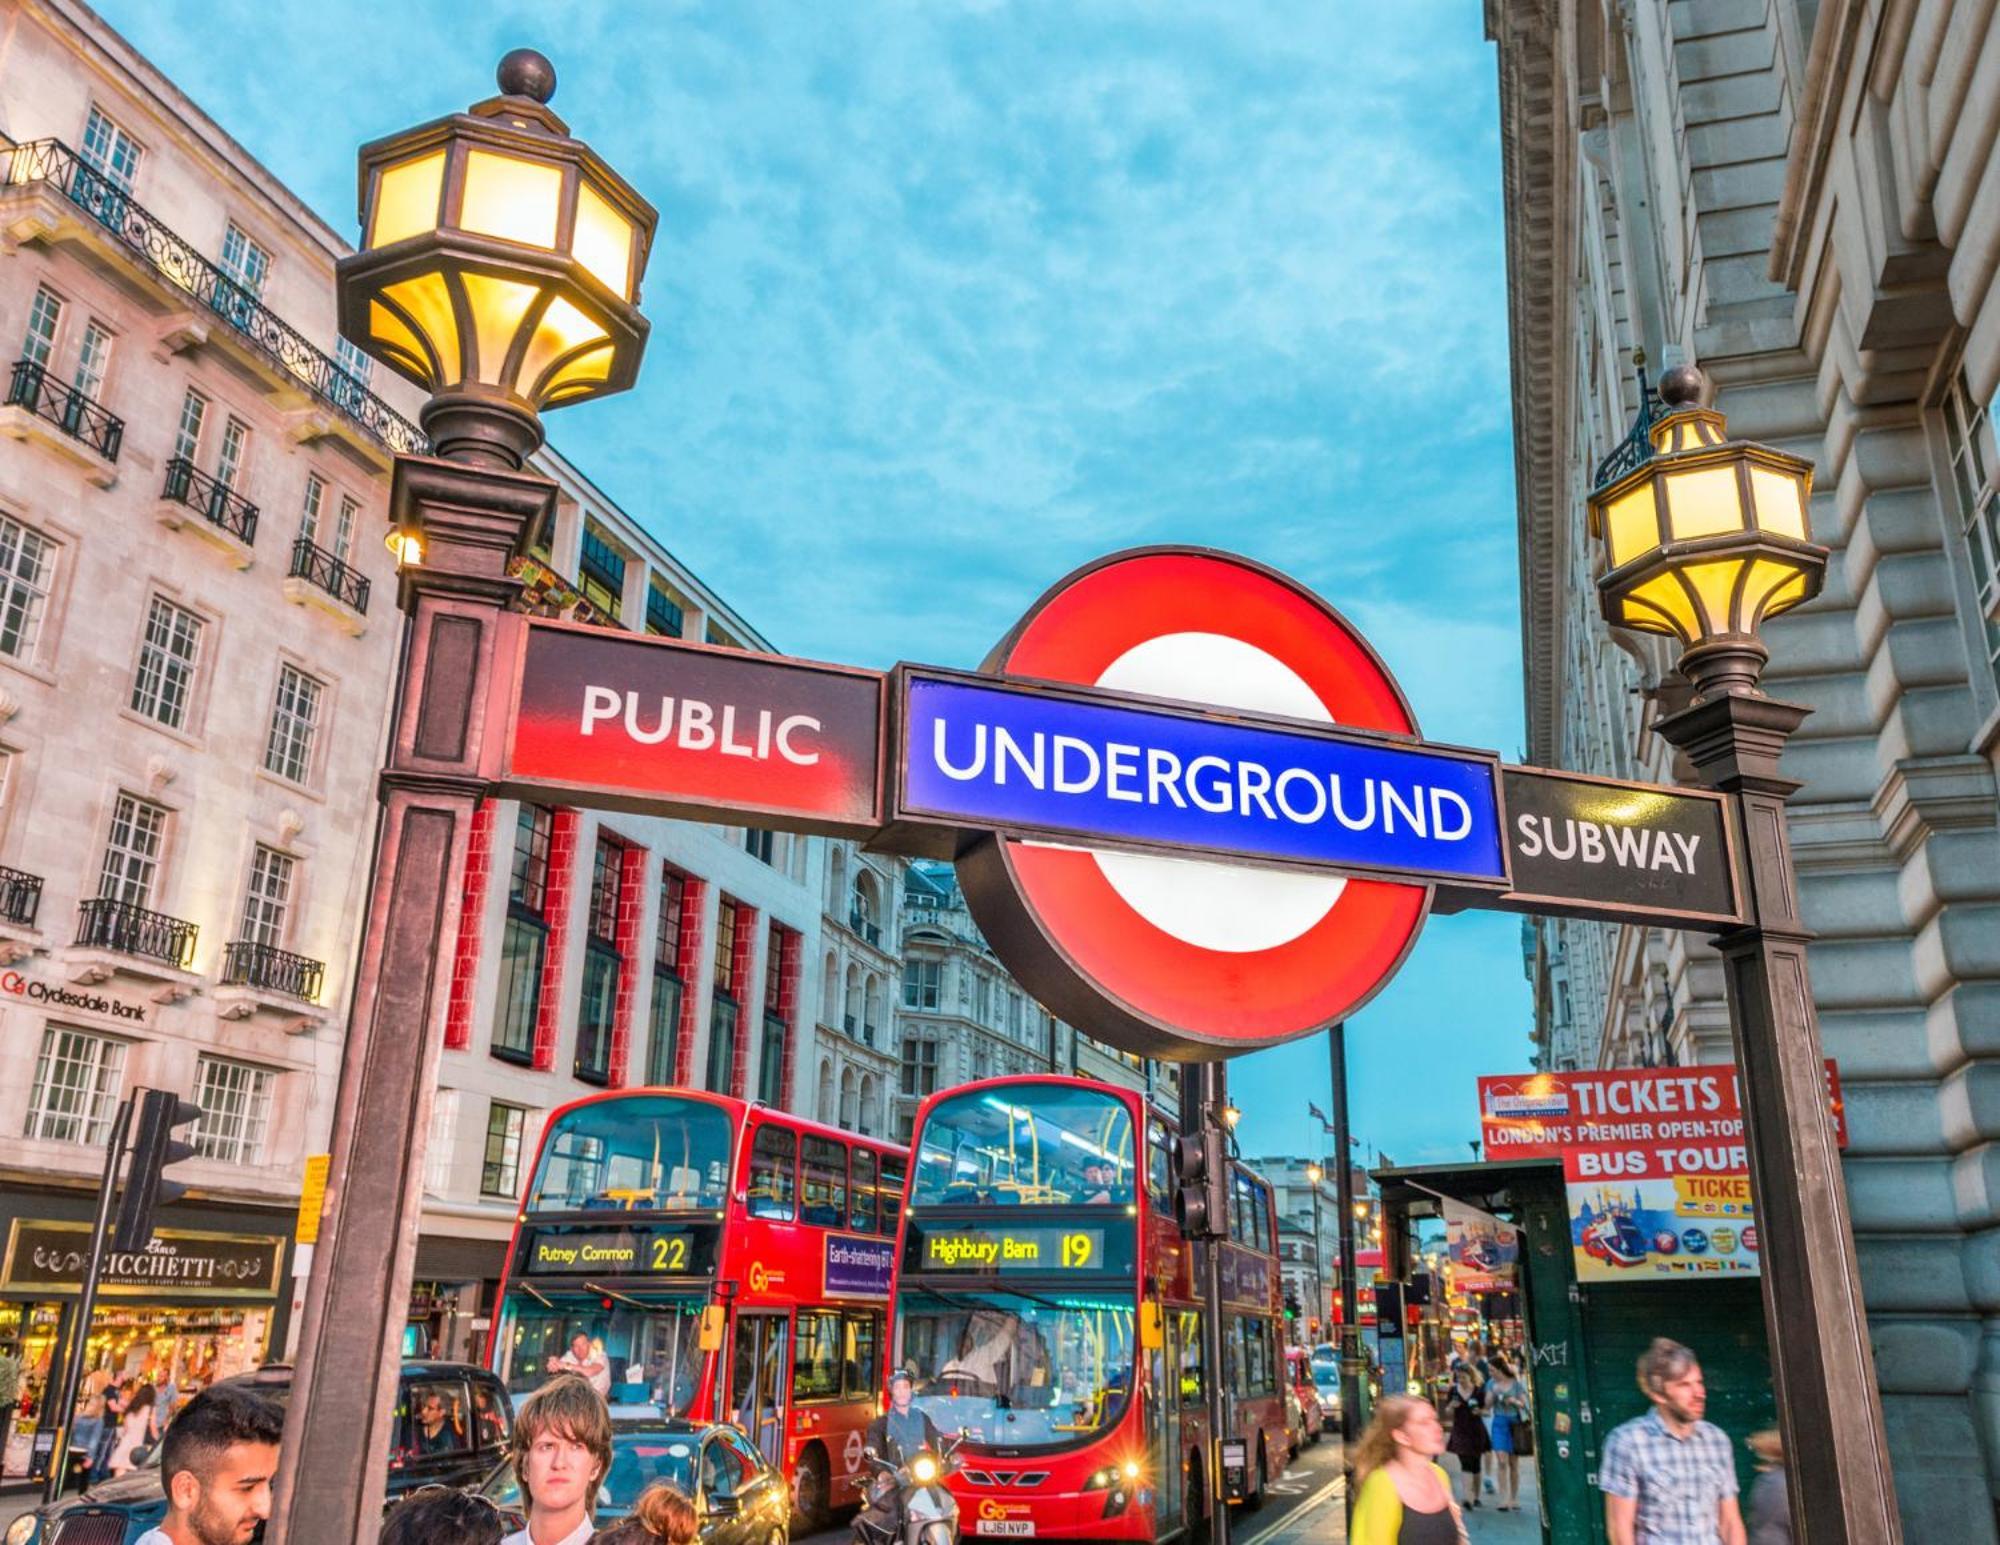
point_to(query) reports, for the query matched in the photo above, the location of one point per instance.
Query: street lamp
(1314, 1175)
(499, 269)
(1705, 541)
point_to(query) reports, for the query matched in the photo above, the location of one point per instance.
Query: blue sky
(949, 297)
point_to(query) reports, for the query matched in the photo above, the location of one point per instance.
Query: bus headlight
(924, 1469)
(1113, 1475)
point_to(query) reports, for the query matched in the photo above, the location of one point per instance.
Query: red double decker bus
(724, 1261)
(1047, 1304)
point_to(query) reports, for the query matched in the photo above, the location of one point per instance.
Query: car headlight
(924, 1469)
(23, 1529)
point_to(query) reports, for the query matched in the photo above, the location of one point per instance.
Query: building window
(93, 358)
(440, 1146)
(725, 1010)
(1015, 1020)
(664, 616)
(187, 433)
(920, 1061)
(243, 260)
(1968, 437)
(44, 321)
(663, 1048)
(500, 1171)
(343, 527)
(235, 1101)
(110, 150)
(600, 571)
(525, 940)
(352, 362)
(288, 751)
(780, 988)
(132, 855)
(982, 1000)
(601, 963)
(27, 567)
(760, 842)
(922, 983)
(229, 461)
(77, 1081)
(164, 681)
(309, 513)
(268, 899)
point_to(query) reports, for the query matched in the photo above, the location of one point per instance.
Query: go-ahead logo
(58, 996)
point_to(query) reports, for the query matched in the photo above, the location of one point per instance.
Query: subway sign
(1032, 1249)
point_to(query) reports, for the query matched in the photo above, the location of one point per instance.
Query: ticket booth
(1583, 1339)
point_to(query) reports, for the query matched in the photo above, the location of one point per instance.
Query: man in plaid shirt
(1668, 1477)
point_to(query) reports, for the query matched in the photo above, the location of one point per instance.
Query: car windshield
(1034, 1144)
(649, 1346)
(642, 1153)
(1019, 1370)
(638, 1458)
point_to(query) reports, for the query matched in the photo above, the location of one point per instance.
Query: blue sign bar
(1030, 760)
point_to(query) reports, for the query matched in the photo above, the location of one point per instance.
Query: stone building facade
(861, 974)
(1804, 200)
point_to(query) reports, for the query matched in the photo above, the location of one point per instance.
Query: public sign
(1037, 761)
(52, 1257)
(1590, 847)
(1188, 805)
(1654, 1164)
(695, 730)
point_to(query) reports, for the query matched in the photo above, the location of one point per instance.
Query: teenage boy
(562, 1451)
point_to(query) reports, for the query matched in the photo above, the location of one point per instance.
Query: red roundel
(1186, 957)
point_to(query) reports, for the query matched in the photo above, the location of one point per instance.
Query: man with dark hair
(216, 1463)
(441, 1515)
(1668, 1477)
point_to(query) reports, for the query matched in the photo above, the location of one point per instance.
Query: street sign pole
(1352, 1386)
(1212, 1082)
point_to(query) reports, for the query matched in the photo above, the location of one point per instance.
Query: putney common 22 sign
(1190, 808)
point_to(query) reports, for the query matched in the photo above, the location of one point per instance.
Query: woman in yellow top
(1405, 1497)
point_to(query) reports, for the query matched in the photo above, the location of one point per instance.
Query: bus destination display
(1041, 1248)
(625, 1252)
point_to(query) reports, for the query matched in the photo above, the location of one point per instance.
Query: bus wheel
(1254, 1496)
(809, 1491)
(1197, 1509)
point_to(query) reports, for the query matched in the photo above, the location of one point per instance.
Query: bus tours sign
(1188, 804)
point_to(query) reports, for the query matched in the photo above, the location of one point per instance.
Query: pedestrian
(216, 1465)
(443, 1515)
(663, 1515)
(1668, 1477)
(1403, 1496)
(561, 1452)
(1507, 1409)
(135, 1430)
(1769, 1507)
(1466, 1432)
(89, 1425)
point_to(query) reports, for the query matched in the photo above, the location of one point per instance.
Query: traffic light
(1201, 1169)
(154, 1147)
(1291, 1304)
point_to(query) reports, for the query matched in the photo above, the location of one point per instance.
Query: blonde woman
(1405, 1496)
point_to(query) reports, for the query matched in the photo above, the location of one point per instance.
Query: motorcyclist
(899, 1432)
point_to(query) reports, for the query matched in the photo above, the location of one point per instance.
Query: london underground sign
(1188, 805)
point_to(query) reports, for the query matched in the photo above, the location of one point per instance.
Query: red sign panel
(1545, 1115)
(670, 728)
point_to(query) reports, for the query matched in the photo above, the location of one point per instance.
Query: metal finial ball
(525, 73)
(1682, 386)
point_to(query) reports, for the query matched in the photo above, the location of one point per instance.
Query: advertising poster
(1545, 1115)
(1481, 1252)
(1666, 1210)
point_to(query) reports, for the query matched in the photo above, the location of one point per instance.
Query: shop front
(200, 1303)
(451, 1301)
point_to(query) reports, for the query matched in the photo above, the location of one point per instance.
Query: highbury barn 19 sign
(1188, 804)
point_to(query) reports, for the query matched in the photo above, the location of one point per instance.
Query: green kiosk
(1584, 1338)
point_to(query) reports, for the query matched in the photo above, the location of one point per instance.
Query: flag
(1320, 1116)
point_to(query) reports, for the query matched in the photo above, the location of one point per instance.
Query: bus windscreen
(642, 1154)
(1032, 1145)
(1019, 1370)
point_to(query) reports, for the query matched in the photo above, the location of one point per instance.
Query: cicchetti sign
(1188, 804)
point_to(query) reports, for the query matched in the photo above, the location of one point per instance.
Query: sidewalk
(1488, 1527)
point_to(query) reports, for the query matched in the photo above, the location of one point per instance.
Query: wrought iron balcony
(52, 162)
(219, 506)
(80, 417)
(20, 897)
(265, 966)
(102, 923)
(319, 567)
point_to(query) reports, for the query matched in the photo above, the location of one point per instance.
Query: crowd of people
(1666, 1476)
(219, 1457)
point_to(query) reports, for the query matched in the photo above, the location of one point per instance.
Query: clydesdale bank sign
(1188, 804)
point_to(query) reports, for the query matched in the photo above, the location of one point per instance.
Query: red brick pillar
(693, 893)
(562, 880)
(465, 953)
(631, 904)
(791, 941)
(749, 1001)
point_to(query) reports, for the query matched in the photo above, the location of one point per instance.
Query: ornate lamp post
(1706, 540)
(500, 270)
(1314, 1175)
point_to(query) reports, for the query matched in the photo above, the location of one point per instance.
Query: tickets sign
(1661, 1210)
(1546, 1115)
